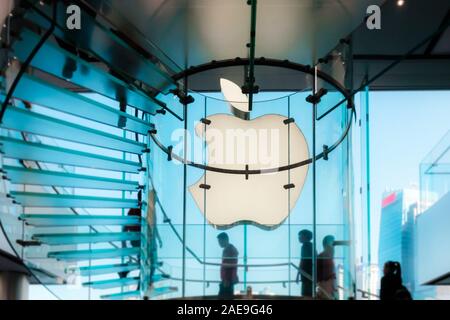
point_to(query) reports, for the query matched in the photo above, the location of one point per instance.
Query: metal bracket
(122, 122)
(30, 243)
(326, 151)
(182, 97)
(288, 121)
(248, 88)
(315, 98)
(205, 121)
(169, 153)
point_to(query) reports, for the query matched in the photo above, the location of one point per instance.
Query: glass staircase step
(160, 277)
(122, 295)
(78, 238)
(37, 91)
(20, 175)
(106, 45)
(23, 150)
(106, 269)
(34, 199)
(113, 283)
(67, 220)
(81, 255)
(155, 292)
(53, 59)
(32, 122)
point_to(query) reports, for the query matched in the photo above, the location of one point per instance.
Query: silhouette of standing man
(305, 267)
(326, 274)
(228, 269)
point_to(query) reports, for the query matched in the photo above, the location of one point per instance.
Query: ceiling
(193, 32)
(402, 29)
(186, 33)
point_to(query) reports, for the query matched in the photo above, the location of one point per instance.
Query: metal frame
(263, 62)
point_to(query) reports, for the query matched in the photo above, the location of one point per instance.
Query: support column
(13, 286)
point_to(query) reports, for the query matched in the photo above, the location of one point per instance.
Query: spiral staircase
(75, 120)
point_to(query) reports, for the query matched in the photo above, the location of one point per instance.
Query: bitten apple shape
(259, 143)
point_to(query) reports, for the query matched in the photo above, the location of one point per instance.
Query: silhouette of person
(153, 236)
(132, 212)
(228, 269)
(326, 274)
(391, 287)
(305, 266)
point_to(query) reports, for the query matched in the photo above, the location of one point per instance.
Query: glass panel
(18, 149)
(61, 179)
(435, 173)
(333, 214)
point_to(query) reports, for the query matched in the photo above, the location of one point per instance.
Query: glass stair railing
(18, 149)
(67, 220)
(40, 92)
(35, 123)
(79, 238)
(107, 269)
(70, 160)
(113, 283)
(78, 255)
(28, 176)
(46, 200)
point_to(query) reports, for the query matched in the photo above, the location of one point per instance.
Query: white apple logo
(260, 143)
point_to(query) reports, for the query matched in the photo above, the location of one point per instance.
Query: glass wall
(399, 139)
(269, 253)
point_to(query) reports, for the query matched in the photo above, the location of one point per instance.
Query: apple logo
(238, 142)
